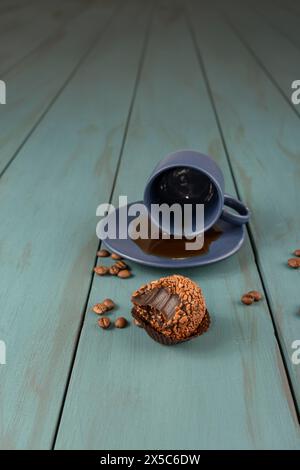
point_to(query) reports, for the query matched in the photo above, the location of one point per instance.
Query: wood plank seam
(248, 228)
(85, 308)
(30, 52)
(25, 25)
(61, 89)
(274, 26)
(259, 62)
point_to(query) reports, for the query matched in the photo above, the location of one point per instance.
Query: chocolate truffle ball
(171, 309)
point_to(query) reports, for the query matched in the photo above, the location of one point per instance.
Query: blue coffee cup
(190, 177)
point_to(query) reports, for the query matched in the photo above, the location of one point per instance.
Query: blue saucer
(227, 244)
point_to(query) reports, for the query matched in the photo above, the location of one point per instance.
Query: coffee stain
(107, 158)
(215, 149)
(89, 130)
(293, 156)
(24, 260)
(239, 134)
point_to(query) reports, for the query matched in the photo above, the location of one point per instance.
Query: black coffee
(182, 185)
(176, 248)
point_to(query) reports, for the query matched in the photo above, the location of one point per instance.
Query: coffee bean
(100, 309)
(101, 270)
(255, 294)
(294, 263)
(109, 304)
(121, 322)
(247, 299)
(104, 323)
(114, 270)
(137, 323)
(297, 252)
(121, 265)
(124, 273)
(103, 253)
(116, 256)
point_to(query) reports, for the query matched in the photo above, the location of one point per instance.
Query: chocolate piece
(173, 306)
(160, 299)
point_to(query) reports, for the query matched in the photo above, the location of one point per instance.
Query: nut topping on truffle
(173, 306)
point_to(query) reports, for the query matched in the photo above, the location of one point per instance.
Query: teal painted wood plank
(23, 30)
(224, 390)
(33, 84)
(48, 199)
(262, 136)
(276, 54)
(13, 5)
(286, 21)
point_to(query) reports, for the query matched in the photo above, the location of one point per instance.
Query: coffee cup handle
(243, 213)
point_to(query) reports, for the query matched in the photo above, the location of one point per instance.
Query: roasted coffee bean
(297, 252)
(114, 270)
(255, 294)
(103, 253)
(124, 273)
(101, 270)
(137, 323)
(121, 265)
(104, 322)
(247, 299)
(116, 256)
(294, 263)
(100, 309)
(121, 322)
(109, 304)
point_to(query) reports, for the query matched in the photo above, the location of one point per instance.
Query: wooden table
(97, 93)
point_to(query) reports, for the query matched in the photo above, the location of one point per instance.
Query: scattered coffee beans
(103, 253)
(116, 256)
(114, 270)
(251, 296)
(121, 322)
(124, 273)
(100, 309)
(294, 263)
(101, 270)
(109, 304)
(255, 294)
(247, 299)
(297, 252)
(121, 265)
(104, 323)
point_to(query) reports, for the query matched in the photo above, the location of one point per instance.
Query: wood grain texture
(262, 136)
(48, 199)
(34, 84)
(281, 17)
(24, 29)
(275, 53)
(226, 389)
